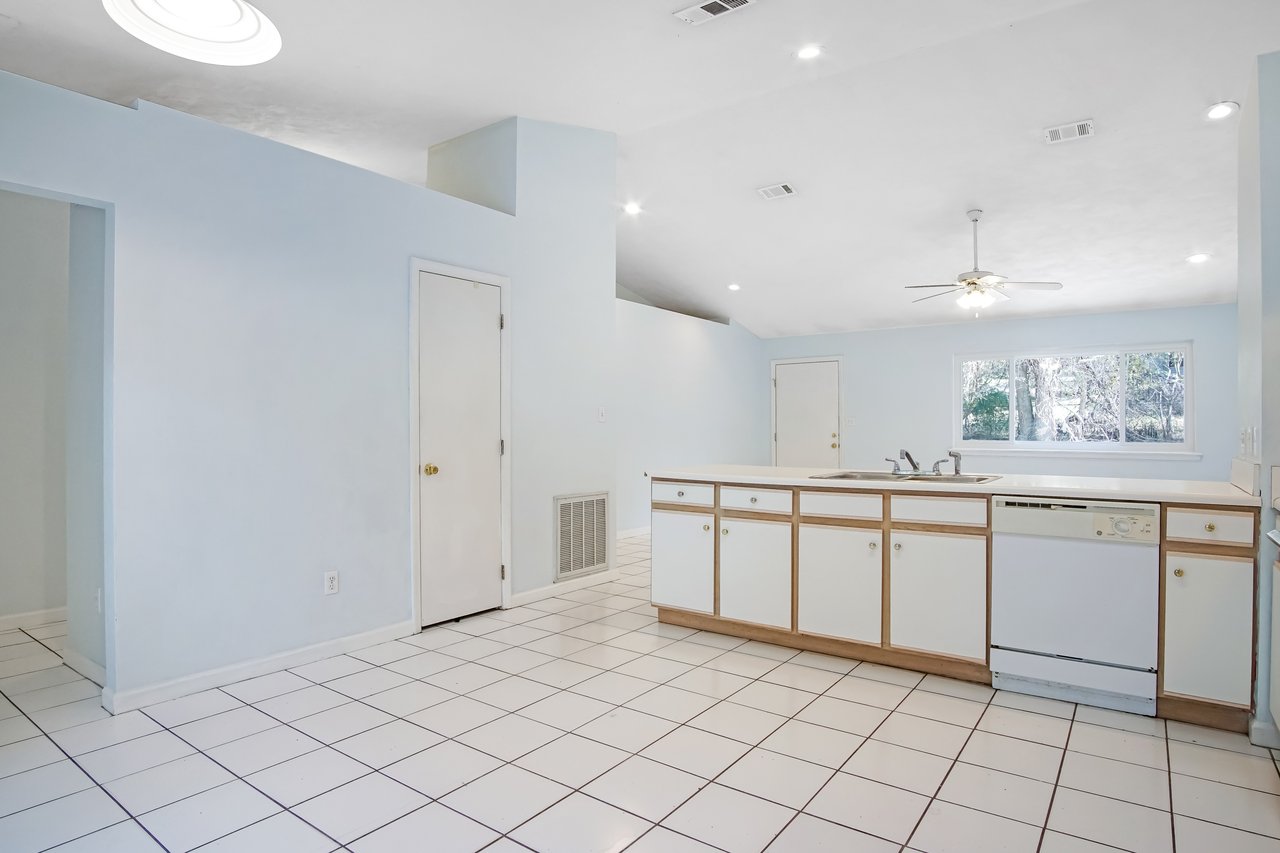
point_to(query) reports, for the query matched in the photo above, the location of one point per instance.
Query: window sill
(1158, 455)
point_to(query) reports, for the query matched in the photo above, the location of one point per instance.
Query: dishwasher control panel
(1132, 528)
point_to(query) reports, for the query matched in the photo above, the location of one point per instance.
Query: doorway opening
(53, 426)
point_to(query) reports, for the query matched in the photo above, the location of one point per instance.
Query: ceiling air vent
(703, 12)
(776, 191)
(1068, 132)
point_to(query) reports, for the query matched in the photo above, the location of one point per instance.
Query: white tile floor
(581, 724)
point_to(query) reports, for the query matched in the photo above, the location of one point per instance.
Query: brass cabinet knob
(754, 499)
(872, 545)
(725, 531)
(1177, 573)
(897, 546)
(706, 527)
(430, 470)
(1210, 527)
(679, 494)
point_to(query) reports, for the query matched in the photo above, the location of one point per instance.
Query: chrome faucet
(952, 456)
(903, 454)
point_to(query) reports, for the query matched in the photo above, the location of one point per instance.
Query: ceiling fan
(980, 288)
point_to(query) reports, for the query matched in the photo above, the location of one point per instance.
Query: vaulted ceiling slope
(914, 113)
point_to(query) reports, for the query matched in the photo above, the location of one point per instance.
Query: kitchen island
(900, 571)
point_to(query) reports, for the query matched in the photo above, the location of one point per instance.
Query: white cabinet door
(683, 561)
(840, 582)
(938, 593)
(1208, 627)
(755, 571)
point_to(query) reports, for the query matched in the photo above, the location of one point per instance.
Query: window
(1096, 400)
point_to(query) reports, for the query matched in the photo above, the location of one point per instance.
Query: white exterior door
(840, 582)
(460, 430)
(755, 571)
(806, 414)
(683, 560)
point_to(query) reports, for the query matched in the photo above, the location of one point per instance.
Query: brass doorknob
(1210, 527)
(1177, 573)
(834, 445)
(430, 470)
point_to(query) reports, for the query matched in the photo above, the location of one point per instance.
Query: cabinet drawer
(836, 505)
(697, 494)
(756, 500)
(939, 510)
(1206, 525)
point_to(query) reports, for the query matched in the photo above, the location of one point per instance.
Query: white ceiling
(916, 112)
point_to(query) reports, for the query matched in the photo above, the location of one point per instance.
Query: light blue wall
(258, 381)
(898, 385)
(689, 392)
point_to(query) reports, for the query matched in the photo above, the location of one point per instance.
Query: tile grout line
(1057, 779)
(96, 783)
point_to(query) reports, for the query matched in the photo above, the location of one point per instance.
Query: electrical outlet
(330, 583)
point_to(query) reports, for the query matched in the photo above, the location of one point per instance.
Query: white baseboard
(635, 531)
(564, 586)
(84, 666)
(139, 697)
(1264, 733)
(33, 619)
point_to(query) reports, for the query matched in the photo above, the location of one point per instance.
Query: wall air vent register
(582, 535)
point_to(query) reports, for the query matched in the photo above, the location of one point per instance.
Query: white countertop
(1101, 488)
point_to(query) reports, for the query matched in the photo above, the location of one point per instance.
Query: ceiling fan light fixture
(974, 298)
(809, 51)
(1197, 258)
(632, 208)
(215, 32)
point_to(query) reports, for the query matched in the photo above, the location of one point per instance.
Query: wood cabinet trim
(1200, 713)
(753, 515)
(833, 521)
(697, 509)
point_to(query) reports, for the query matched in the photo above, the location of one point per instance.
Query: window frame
(1186, 449)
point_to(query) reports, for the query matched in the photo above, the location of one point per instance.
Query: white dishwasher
(1075, 599)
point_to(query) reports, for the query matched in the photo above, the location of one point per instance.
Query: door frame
(417, 266)
(773, 401)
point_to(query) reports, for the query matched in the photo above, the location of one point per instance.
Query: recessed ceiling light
(217, 32)
(735, 287)
(1221, 110)
(1197, 258)
(632, 208)
(809, 51)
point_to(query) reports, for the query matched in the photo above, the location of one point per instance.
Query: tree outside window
(1099, 398)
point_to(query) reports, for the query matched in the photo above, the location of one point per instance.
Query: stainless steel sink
(885, 476)
(954, 478)
(859, 475)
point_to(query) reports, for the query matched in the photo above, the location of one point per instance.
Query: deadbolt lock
(430, 470)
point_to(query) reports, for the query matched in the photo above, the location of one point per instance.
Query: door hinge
(502, 447)
(502, 321)
(504, 572)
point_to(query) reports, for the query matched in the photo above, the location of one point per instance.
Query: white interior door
(459, 446)
(806, 414)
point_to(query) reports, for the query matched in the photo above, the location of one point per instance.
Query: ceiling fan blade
(931, 296)
(1032, 285)
(999, 294)
(918, 286)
